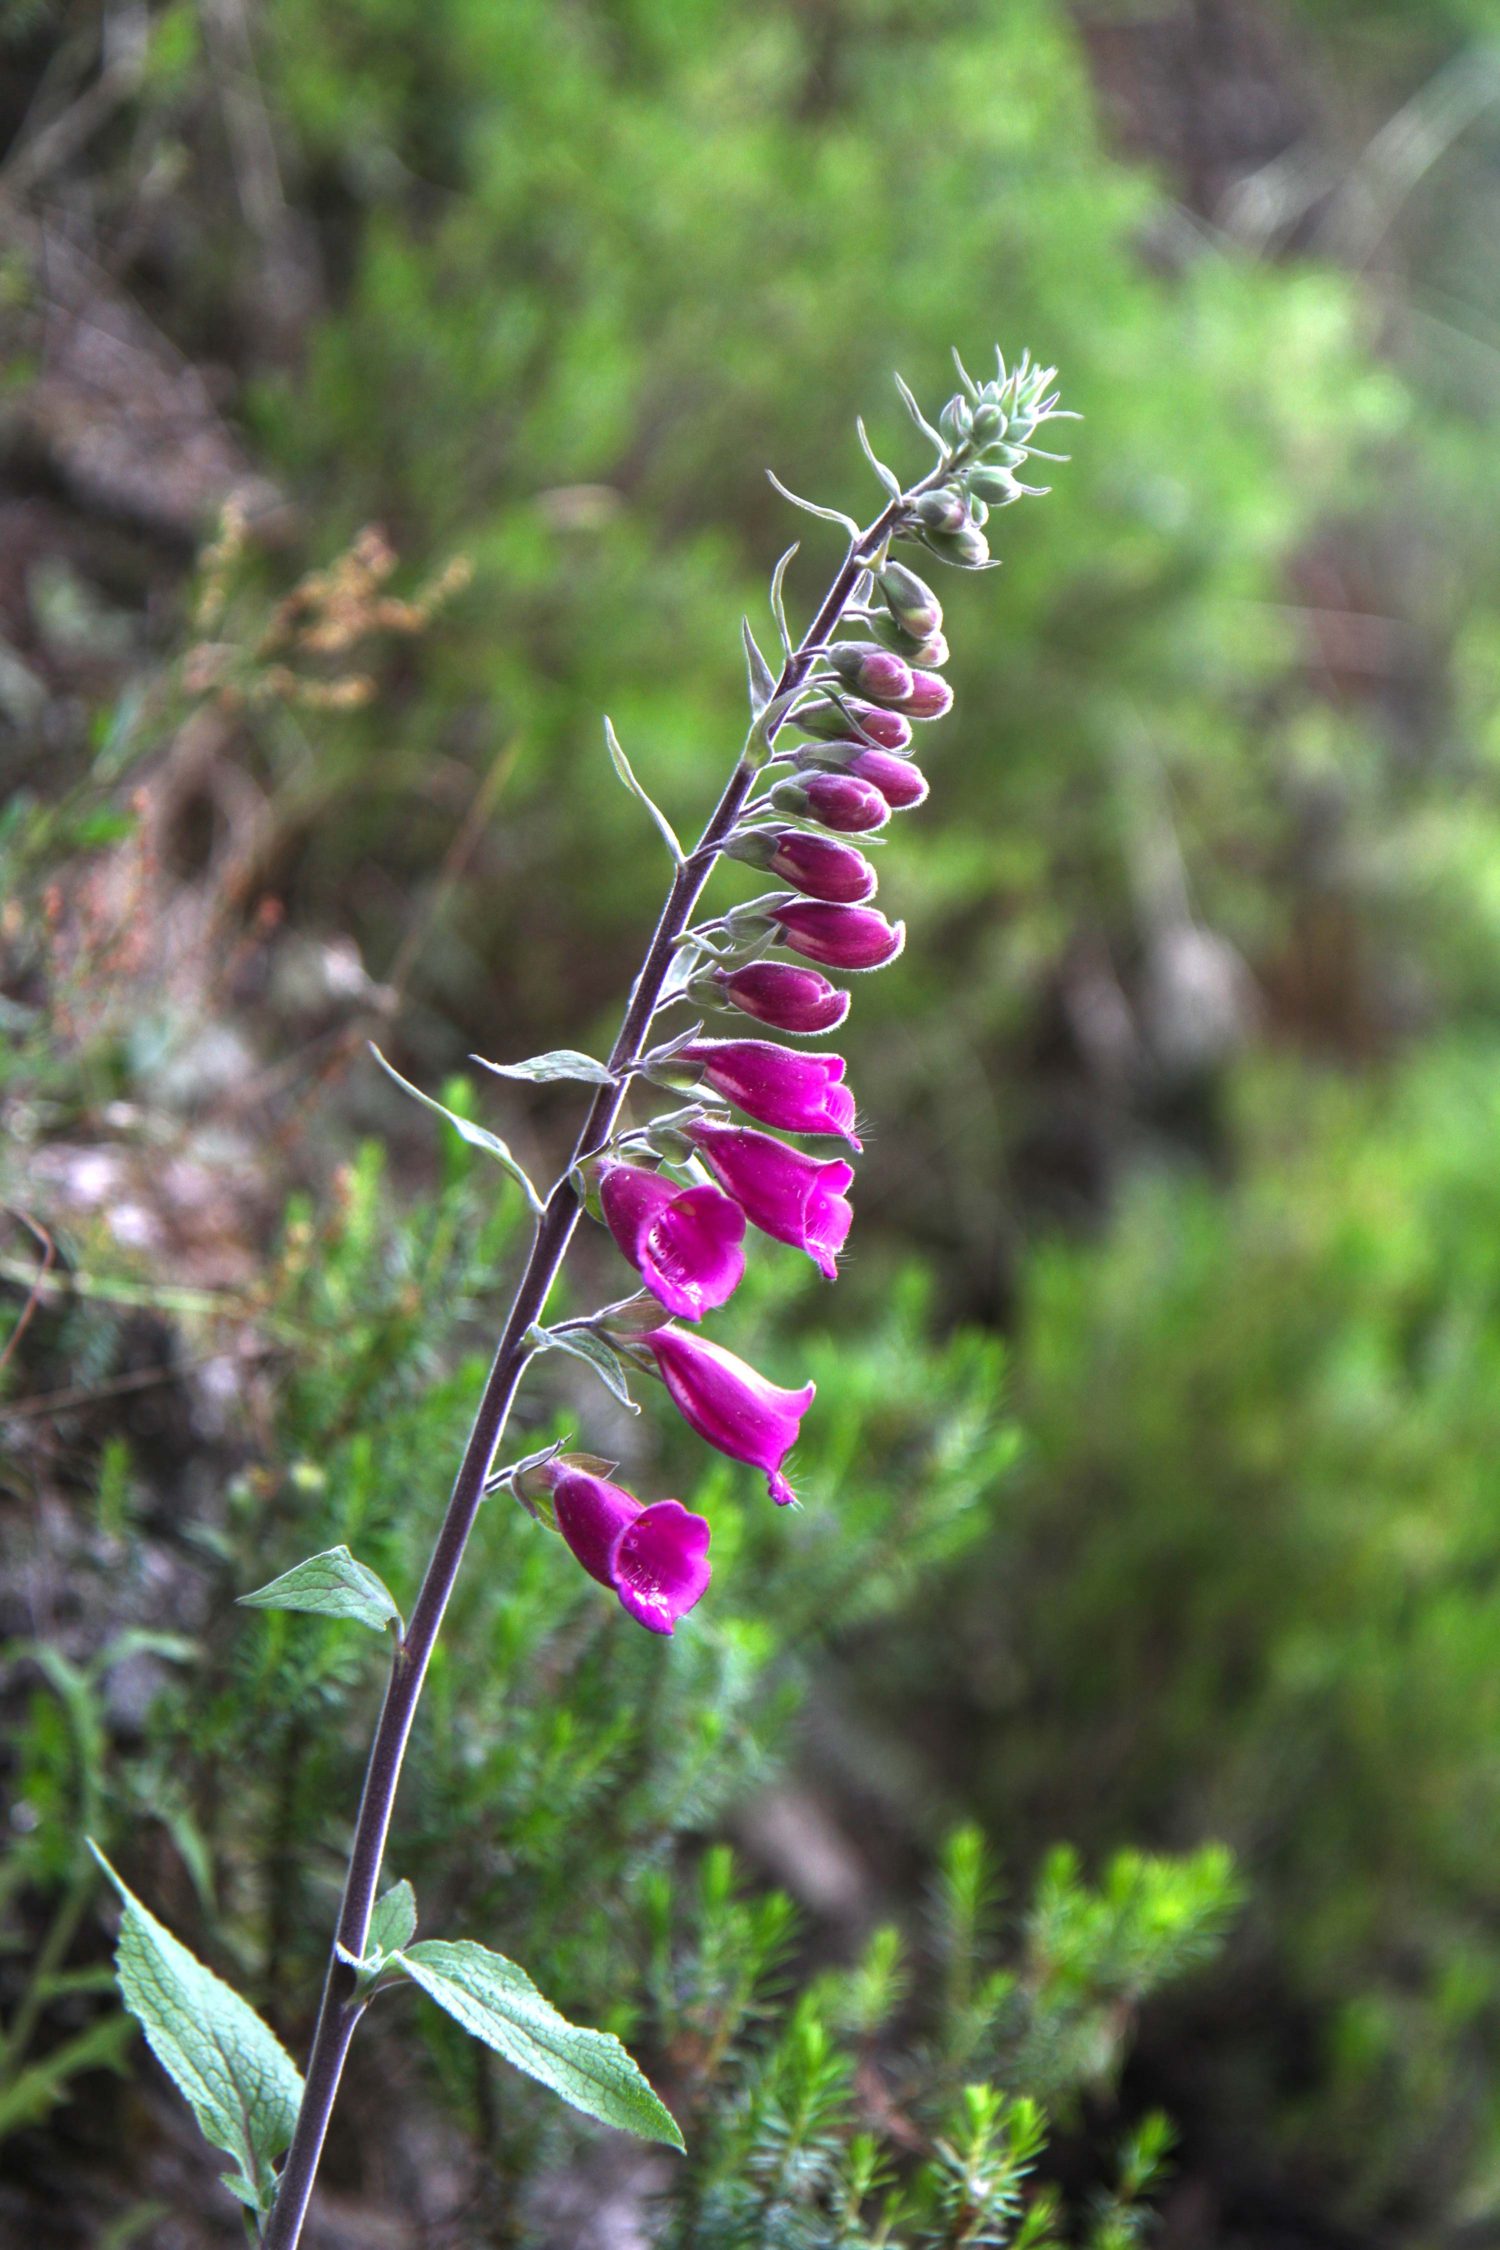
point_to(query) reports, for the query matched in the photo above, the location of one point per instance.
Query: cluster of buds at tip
(988, 431)
(678, 1193)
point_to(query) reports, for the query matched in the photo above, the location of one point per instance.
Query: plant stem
(340, 2008)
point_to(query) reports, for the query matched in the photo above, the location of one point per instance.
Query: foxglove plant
(676, 1189)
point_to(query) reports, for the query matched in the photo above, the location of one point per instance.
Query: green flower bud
(942, 511)
(997, 486)
(932, 650)
(955, 420)
(988, 423)
(913, 605)
(968, 549)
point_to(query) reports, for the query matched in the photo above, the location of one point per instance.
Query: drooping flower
(789, 1195)
(842, 937)
(799, 1093)
(684, 1242)
(784, 996)
(654, 1557)
(930, 696)
(822, 868)
(898, 781)
(729, 1404)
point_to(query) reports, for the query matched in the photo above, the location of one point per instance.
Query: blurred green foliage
(1251, 1581)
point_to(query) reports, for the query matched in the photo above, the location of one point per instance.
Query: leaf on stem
(393, 1923)
(557, 1063)
(239, 2081)
(811, 508)
(964, 376)
(497, 2003)
(671, 1047)
(583, 1344)
(888, 477)
(762, 678)
(623, 768)
(926, 428)
(778, 600)
(475, 1135)
(332, 1584)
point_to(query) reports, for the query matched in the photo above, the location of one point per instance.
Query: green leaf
(811, 508)
(887, 476)
(238, 2079)
(622, 767)
(332, 1584)
(921, 420)
(475, 1135)
(583, 1344)
(544, 1070)
(497, 2002)
(394, 1921)
(778, 600)
(762, 678)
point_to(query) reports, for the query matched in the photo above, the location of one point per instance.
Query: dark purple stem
(341, 2006)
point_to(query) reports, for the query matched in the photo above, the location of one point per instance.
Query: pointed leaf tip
(546, 1070)
(623, 768)
(582, 1343)
(475, 1135)
(497, 2003)
(393, 1924)
(332, 1584)
(762, 678)
(237, 2078)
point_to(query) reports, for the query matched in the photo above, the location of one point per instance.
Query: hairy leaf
(239, 2081)
(583, 1344)
(475, 1135)
(497, 2003)
(557, 1063)
(762, 678)
(394, 1921)
(622, 767)
(332, 1584)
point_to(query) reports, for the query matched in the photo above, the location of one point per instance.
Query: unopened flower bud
(956, 419)
(988, 423)
(830, 723)
(932, 650)
(969, 549)
(994, 484)
(913, 605)
(785, 997)
(869, 670)
(821, 868)
(944, 510)
(901, 783)
(839, 800)
(930, 696)
(840, 937)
